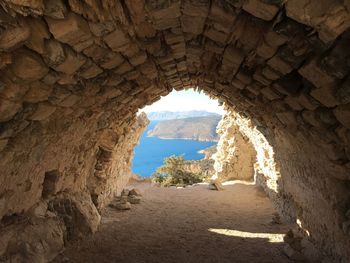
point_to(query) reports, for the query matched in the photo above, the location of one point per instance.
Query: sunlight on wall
(266, 164)
(298, 221)
(273, 238)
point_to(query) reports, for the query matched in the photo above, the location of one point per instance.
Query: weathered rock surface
(282, 64)
(235, 156)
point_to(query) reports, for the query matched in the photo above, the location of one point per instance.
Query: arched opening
(74, 74)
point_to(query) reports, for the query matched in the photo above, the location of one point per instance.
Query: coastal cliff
(195, 128)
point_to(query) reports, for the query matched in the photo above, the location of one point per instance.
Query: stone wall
(235, 156)
(72, 71)
(65, 195)
(287, 181)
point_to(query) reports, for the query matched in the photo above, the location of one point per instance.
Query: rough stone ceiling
(73, 74)
(268, 58)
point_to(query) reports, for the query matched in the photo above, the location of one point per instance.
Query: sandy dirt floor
(192, 224)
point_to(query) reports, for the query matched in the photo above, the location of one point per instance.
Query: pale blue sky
(185, 100)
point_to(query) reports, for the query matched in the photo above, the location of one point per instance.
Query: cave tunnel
(75, 73)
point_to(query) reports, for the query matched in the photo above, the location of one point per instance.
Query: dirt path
(186, 225)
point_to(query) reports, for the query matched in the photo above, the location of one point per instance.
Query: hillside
(195, 128)
(170, 115)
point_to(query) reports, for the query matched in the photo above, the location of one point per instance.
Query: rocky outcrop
(75, 73)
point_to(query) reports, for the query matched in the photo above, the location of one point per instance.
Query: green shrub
(172, 172)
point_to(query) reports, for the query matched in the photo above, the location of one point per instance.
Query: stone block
(275, 39)
(55, 9)
(270, 93)
(79, 214)
(139, 59)
(342, 113)
(329, 18)
(117, 40)
(149, 69)
(195, 8)
(221, 13)
(133, 199)
(101, 29)
(135, 192)
(69, 101)
(313, 73)
(307, 102)
(269, 73)
(279, 65)
(123, 68)
(293, 103)
(72, 62)
(325, 96)
(215, 35)
(39, 33)
(249, 33)
(42, 112)
(89, 70)
(14, 37)
(166, 16)
(260, 9)
(8, 109)
(193, 25)
(265, 51)
(54, 53)
(237, 84)
(72, 30)
(112, 60)
(27, 65)
(38, 92)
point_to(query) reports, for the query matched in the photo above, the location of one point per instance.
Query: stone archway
(74, 74)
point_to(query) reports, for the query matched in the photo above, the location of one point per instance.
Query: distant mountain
(171, 115)
(195, 128)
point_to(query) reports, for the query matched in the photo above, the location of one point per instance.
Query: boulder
(121, 206)
(135, 192)
(133, 199)
(125, 192)
(78, 212)
(216, 185)
(34, 240)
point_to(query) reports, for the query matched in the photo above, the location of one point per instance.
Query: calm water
(151, 151)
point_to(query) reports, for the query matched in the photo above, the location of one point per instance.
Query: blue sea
(151, 151)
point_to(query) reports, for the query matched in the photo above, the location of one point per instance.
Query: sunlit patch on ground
(273, 238)
(238, 182)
